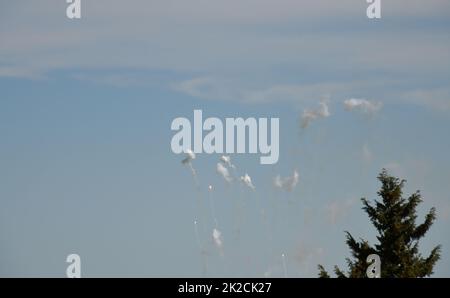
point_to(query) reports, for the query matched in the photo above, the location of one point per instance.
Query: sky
(86, 106)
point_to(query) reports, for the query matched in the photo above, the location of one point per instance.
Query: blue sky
(85, 113)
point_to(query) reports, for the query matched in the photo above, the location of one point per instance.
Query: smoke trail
(190, 156)
(283, 258)
(197, 235)
(212, 206)
(362, 105)
(223, 171)
(201, 248)
(287, 183)
(309, 116)
(367, 154)
(247, 180)
(218, 240)
(226, 160)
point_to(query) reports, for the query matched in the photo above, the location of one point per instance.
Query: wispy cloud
(19, 72)
(37, 38)
(204, 88)
(208, 87)
(294, 92)
(435, 98)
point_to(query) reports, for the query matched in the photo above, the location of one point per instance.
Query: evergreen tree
(394, 218)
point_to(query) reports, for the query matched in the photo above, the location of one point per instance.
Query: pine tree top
(394, 218)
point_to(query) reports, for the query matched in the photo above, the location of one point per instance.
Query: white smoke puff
(278, 182)
(226, 160)
(287, 183)
(247, 180)
(190, 156)
(309, 116)
(363, 105)
(218, 240)
(217, 237)
(223, 171)
(323, 111)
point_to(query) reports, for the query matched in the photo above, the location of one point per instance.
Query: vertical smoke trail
(246, 182)
(190, 156)
(216, 234)
(218, 240)
(283, 258)
(202, 250)
(368, 109)
(271, 200)
(223, 171)
(212, 206)
(197, 235)
(288, 184)
(266, 201)
(202, 213)
(187, 161)
(224, 168)
(194, 175)
(239, 207)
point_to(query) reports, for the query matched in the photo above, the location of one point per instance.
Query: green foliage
(322, 272)
(394, 218)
